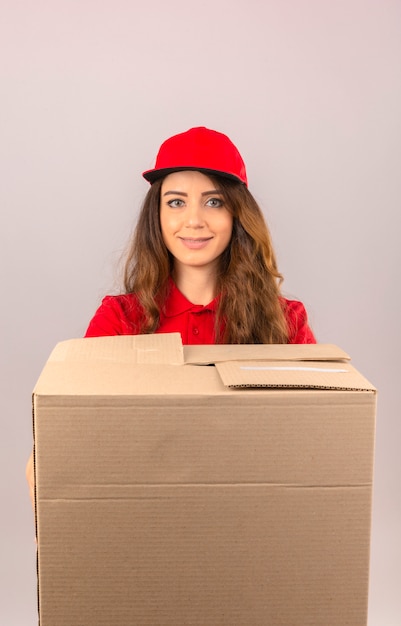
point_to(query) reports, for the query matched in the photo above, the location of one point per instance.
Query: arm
(115, 316)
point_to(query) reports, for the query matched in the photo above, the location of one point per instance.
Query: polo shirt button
(195, 330)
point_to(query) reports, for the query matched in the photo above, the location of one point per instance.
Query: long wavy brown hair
(250, 309)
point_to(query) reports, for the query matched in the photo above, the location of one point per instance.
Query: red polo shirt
(120, 315)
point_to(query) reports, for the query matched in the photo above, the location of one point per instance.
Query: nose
(194, 217)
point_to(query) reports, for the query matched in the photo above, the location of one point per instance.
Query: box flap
(308, 375)
(101, 365)
(167, 349)
(163, 348)
(207, 355)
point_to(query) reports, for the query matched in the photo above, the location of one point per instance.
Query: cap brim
(153, 175)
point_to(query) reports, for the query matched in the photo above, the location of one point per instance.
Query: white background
(310, 92)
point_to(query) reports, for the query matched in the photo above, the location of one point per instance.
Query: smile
(195, 244)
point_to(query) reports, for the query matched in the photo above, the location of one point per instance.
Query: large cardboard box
(172, 492)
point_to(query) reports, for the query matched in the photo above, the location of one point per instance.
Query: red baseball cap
(200, 149)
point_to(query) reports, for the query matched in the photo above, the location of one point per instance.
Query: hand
(30, 476)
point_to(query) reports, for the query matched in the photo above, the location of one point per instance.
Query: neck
(197, 284)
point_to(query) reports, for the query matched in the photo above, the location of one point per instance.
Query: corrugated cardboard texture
(165, 498)
(308, 375)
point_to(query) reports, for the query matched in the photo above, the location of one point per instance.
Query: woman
(201, 261)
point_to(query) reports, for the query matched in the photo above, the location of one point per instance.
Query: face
(195, 223)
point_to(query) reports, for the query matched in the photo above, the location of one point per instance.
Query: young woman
(201, 261)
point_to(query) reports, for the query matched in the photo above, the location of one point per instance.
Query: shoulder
(292, 307)
(124, 302)
(117, 315)
(297, 320)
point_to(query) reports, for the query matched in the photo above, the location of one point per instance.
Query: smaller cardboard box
(205, 485)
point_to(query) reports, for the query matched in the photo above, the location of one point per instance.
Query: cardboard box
(171, 492)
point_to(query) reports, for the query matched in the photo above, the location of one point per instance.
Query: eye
(177, 203)
(215, 203)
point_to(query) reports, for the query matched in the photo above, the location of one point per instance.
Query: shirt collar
(176, 303)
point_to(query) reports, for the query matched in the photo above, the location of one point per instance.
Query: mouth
(195, 244)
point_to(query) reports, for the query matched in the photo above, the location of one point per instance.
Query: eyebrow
(182, 193)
